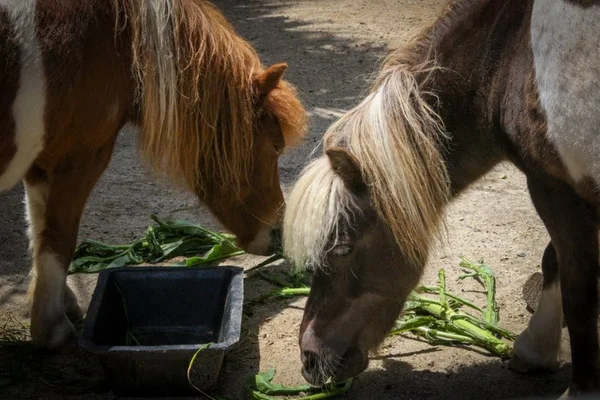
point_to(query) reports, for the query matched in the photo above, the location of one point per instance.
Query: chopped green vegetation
(261, 387)
(484, 275)
(164, 241)
(441, 320)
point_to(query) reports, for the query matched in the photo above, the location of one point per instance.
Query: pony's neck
(481, 47)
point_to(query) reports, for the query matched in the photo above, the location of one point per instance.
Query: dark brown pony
(212, 120)
(489, 81)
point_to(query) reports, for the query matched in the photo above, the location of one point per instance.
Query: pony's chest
(566, 48)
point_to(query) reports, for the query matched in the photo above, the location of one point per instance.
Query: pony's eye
(341, 250)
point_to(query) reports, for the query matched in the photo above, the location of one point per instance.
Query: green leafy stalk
(436, 290)
(261, 387)
(189, 370)
(284, 292)
(486, 325)
(464, 326)
(484, 272)
(276, 257)
(442, 278)
(164, 241)
(432, 335)
(410, 324)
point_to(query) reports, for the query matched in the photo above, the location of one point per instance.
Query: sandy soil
(331, 47)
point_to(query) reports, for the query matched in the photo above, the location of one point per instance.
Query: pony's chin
(262, 244)
(353, 363)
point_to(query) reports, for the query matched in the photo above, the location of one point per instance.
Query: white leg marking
(49, 324)
(566, 53)
(30, 102)
(538, 346)
(47, 290)
(36, 197)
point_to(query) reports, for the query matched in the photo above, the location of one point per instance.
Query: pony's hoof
(521, 366)
(54, 336)
(531, 355)
(517, 365)
(60, 334)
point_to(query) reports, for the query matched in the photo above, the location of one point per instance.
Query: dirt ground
(331, 48)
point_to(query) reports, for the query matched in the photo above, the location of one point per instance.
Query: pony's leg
(72, 309)
(537, 347)
(55, 202)
(571, 224)
(36, 196)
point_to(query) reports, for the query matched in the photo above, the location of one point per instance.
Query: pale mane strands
(396, 137)
(195, 78)
(317, 206)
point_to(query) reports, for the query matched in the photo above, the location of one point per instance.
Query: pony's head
(254, 211)
(213, 119)
(362, 217)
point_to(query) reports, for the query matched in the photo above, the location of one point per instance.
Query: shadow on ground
(397, 380)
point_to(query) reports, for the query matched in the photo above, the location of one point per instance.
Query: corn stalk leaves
(263, 382)
(484, 275)
(441, 321)
(261, 387)
(164, 241)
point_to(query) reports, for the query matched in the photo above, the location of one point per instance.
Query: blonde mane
(195, 80)
(317, 206)
(397, 139)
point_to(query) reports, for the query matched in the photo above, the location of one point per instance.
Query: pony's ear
(346, 167)
(269, 79)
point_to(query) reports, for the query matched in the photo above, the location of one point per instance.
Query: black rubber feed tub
(146, 323)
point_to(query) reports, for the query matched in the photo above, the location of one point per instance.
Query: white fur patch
(36, 197)
(30, 102)
(566, 49)
(48, 291)
(49, 323)
(538, 346)
(52, 279)
(261, 242)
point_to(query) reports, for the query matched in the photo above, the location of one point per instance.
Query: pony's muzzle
(320, 361)
(266, 242)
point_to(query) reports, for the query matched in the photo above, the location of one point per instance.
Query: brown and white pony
(211, 119)
(490, 80)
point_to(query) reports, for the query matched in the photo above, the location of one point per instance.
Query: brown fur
(484, 92)
(222, 140)
(9, 82)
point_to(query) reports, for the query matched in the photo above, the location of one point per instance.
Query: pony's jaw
(265, 242)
